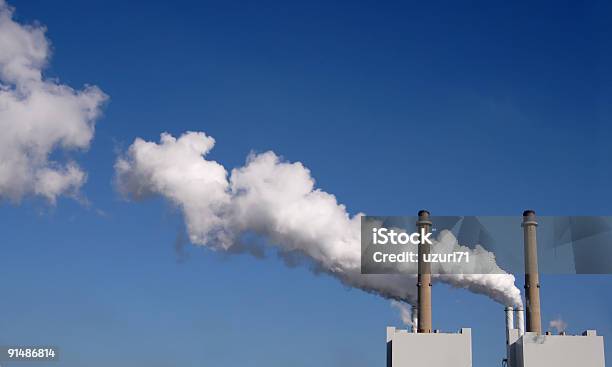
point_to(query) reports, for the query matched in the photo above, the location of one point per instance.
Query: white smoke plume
(405, 312)
(481, 275)
(38, 116)
(558, 324)
(278, 201)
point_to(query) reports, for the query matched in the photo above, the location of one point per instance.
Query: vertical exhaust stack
(520, 320)
(509, 322)
(532, 279)
(415, 319)
(509, 327)
(424, 279)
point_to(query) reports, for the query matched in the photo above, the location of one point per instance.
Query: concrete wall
(532, 350)
(406, 349)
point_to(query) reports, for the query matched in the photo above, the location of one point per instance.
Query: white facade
(405, 349)
(533, 350)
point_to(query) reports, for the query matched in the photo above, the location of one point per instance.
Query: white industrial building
(435, 349)
(534, 350)
(425, 346)
(526, 344)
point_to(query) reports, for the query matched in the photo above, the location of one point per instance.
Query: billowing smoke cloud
(38, 116)
(278, 201)
(558, 324)
(484, 275)
(405, 312)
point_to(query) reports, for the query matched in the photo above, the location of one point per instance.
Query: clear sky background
(474, 108)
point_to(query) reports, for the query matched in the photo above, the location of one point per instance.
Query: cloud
(39, 117)
(278, 201)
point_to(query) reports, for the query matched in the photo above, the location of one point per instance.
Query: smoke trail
(275, 200)
(40, 118)
(405, 312)
(558, 324)
(484, 275)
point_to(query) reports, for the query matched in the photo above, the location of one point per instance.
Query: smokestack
(509, 322)
(424, 279)
(509, 326)
(520, 320)
(532, 279)
(415, 319)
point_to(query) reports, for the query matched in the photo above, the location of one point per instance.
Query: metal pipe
(424, 278)
(532, 280)
(415, 319)
(509, 326)
(520, 320)
(509, 322)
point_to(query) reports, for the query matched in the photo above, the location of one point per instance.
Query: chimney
(509, 322)
(415, 319)
(424, 279)
(532, 281)
(520, 320)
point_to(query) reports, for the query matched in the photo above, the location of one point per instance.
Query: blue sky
(497, 107)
